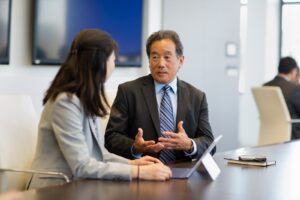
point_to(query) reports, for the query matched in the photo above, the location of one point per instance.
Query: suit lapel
(150, 99)
(94, 130)
(181, 102)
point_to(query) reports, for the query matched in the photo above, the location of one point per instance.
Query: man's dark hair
(84, 71)
(165, 34)
(286, 65)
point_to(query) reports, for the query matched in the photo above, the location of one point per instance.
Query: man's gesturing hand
(142, 146)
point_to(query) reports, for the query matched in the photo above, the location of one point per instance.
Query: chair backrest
(111, 95)
(18, 133)
(275, 126)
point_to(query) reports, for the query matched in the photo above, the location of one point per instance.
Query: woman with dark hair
(69, 140)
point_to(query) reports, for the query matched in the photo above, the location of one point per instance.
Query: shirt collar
(284, 77)
(172, 84)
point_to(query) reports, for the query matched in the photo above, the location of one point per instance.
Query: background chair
(275, 120)
(18, 133)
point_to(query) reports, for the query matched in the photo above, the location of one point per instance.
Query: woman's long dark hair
(84, 71)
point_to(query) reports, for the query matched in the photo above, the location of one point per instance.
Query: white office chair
(275, 120)
(18, 137)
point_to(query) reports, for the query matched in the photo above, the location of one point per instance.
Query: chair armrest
(295, 121)
(61, 174)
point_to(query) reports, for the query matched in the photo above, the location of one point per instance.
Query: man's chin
(163, 79)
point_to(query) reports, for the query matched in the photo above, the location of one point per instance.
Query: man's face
(295, 76)
(163, 61)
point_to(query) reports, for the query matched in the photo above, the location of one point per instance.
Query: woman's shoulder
(67, 98)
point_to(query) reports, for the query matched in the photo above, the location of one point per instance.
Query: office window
(290, 29)
(5, 6)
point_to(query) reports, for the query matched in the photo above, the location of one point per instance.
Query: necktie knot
(166, 88)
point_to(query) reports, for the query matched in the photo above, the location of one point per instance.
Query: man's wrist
(134, 153)
(191, 148)
(134, 150)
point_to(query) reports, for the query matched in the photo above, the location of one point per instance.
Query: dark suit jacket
(291, 93)
(135, 107)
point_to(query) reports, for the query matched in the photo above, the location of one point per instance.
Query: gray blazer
(69, 142)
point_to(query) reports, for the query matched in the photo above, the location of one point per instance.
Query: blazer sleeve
(117, 139)
(111, 157)
(67, 123)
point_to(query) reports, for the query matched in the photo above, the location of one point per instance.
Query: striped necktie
(166, 123)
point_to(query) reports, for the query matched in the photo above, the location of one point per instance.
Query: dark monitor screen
(4, 30)
(57, 22)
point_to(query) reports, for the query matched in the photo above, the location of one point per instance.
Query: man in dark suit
(134, 127)
(288, 80)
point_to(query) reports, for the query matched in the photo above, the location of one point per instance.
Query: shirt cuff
(194, 150)
(135, 155)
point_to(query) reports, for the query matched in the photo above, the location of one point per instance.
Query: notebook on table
(251, 163)
(185, 173)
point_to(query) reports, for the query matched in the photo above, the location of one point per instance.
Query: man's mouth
(162, 72)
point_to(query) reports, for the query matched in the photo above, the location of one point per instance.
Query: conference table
(235, 182)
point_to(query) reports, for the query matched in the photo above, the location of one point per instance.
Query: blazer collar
(282, 78)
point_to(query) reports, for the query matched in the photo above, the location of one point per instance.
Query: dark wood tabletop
(235, 182)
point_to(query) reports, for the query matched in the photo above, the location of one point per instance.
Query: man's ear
(181, 61)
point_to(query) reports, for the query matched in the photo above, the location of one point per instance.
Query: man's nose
(161, 62)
